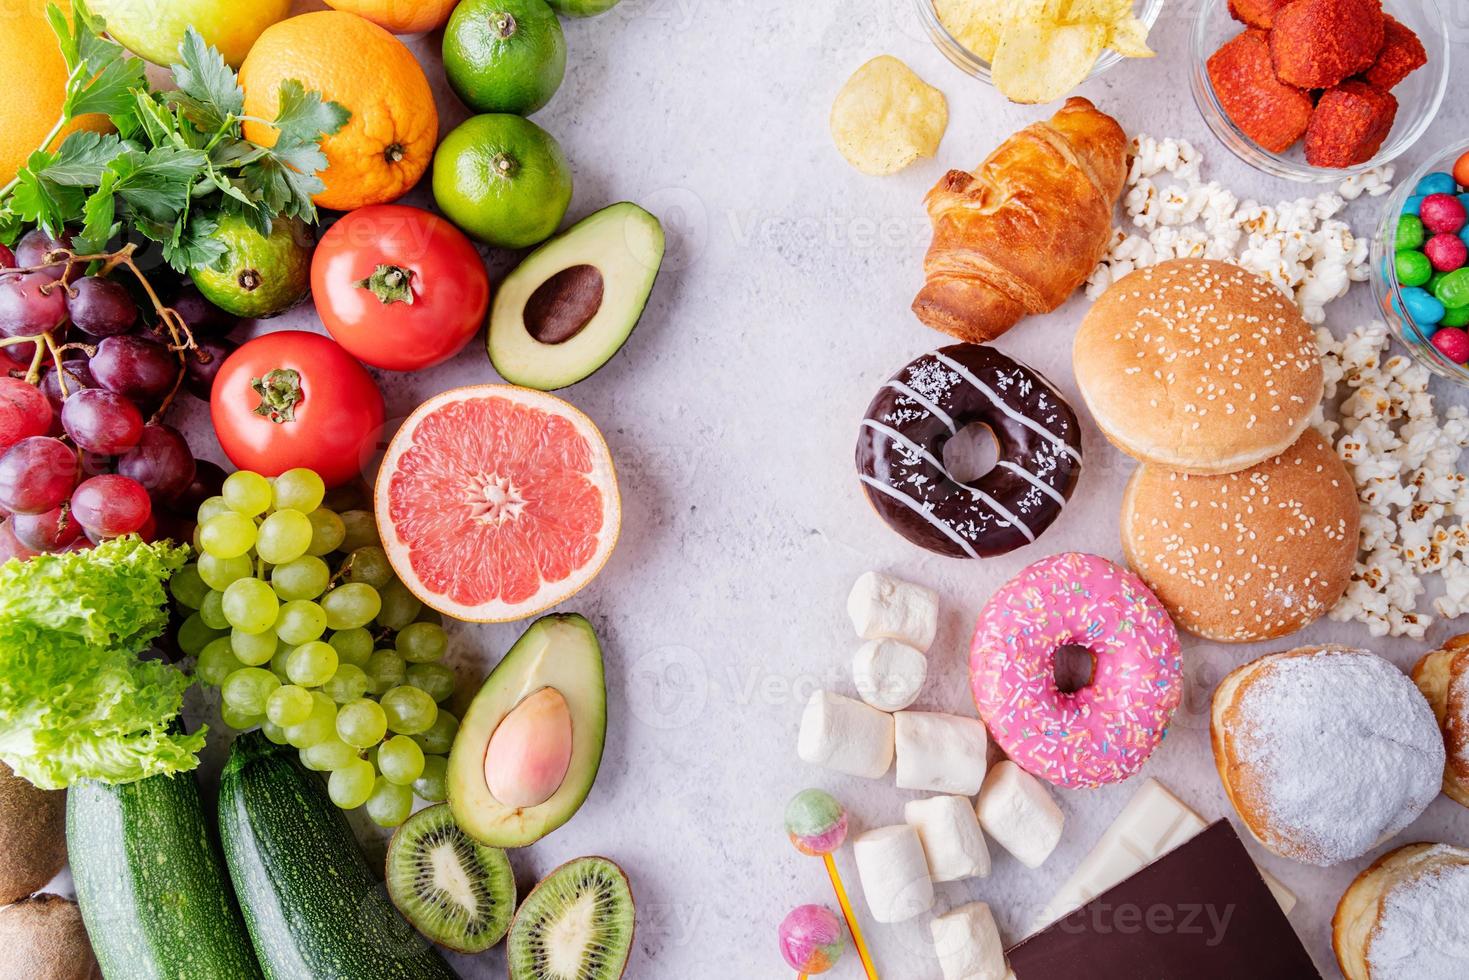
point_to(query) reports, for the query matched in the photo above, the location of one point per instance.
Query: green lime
(503, 179)
(1410, 232)
(582, 8)
(1413, 268)
(504, 55)
(258, 275)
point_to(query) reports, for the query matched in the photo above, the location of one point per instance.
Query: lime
(582, 8)
(258, 275)
(504, 55)
(503, 179)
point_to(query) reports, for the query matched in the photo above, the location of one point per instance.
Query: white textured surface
(733, 414)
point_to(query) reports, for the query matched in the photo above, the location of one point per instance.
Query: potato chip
(976, 24)
(1041, 63)
(886, 117)
(1129, 38)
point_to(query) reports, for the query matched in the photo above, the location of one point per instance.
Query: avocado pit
(530, 752)
(562, 306)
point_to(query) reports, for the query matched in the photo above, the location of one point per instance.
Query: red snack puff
(1272, 114)
(1401, 55)
(1255, 13)
(1349, 125)
(1318, 43)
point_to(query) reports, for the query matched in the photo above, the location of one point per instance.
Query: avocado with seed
(529, 746)
(574, 301)
(258, 275)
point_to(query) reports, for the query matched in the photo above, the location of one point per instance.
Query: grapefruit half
(496, 502)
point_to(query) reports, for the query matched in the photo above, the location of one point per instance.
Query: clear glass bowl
(1386, 289)
(1418, 95)
(974, 65)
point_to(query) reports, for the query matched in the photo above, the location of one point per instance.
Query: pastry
(1325, 752)
(1105, 730)
(1021, 232)
(1443, 677)
(1198, 366)
(1246, 556)
(900, 451)
(1404, 917)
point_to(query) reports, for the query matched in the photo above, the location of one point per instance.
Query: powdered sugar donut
(1403, 918)
(1104, 731)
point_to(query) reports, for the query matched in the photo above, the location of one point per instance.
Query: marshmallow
(940, 753)
(952, 841)
(894, 873)
(846, 735)
(1015, 809)
(967, 943)
(889, 674)
(885, 608)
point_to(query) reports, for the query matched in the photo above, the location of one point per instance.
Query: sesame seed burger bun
(1245, 556)
(1199, 366)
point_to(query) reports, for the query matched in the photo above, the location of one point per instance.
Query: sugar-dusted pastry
(1443, 677)
(1406, 917)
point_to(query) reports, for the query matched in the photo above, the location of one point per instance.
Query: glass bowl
(1387, 291)
(1418, 95)
(974, 65)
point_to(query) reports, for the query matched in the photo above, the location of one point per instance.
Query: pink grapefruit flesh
(496, 502)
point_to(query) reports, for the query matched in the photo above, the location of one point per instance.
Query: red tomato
(294, 398)
(399, 287)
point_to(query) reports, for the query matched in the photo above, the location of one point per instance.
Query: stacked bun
(1242, 519)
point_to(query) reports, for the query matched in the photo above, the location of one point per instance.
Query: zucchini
(312, 905)
(152, 888)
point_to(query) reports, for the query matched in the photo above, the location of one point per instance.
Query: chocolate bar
(1201, 912)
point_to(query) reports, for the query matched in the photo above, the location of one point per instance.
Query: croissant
(1019, 234)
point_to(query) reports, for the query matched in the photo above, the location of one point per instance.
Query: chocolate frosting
(900, 451)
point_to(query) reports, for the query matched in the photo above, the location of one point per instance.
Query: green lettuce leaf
(75, 699)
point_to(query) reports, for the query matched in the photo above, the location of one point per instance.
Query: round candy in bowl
(1319, 90)
(1420, 263)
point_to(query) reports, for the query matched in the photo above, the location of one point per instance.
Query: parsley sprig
(178, 161)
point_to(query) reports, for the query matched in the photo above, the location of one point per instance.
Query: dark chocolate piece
(1201, 912)
(900, 452)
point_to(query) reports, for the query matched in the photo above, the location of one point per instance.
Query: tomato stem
(390, 284)
(280, 393)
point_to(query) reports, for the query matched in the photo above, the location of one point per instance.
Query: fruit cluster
(294, 614)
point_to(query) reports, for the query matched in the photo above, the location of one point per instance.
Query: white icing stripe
(919, 509)
(932, 408)
(999, 403)
(1039, 483)
(978, 494)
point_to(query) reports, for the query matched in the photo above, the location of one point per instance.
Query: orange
(400, 16)
(386, 146)
(35, 85)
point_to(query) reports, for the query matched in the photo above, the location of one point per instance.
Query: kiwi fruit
(577, 924)
(43, 939)
(456, 891)
(32, 836)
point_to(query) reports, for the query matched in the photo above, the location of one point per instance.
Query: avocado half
(560, 653)
(574, 301)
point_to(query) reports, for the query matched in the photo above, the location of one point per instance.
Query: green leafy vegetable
(75, 699)
(179, 160)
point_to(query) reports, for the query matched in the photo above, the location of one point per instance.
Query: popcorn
(1404, 459)
(1298, 245)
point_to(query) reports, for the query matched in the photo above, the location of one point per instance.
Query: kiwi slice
(456, 891)
(577, 924)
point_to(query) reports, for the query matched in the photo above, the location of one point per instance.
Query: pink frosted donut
(1104, 731)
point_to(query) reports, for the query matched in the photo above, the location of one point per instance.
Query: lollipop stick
(852, 926)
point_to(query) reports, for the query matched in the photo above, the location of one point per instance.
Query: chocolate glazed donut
(900, 452)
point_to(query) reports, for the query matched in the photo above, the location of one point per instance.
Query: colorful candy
(1410, 232)
(1453, 290)
(1425, 310)
(1452, 343)
(1446, 252)
(1442, 213)
(816, 822)
(812, 939)
(1437, 182)
(1461, 170)
(1431, 264)
(1413, 267)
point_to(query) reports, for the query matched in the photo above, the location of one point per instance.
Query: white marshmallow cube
(846, 735)
(1017, 811)
(885, 608)
(952, 841)
(967, 943)
(894, 873)
(889, 674)
(939, 753)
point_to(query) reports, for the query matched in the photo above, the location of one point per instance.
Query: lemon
(155, 30)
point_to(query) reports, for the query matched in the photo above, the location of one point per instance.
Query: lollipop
(812, 939)
(817, 825)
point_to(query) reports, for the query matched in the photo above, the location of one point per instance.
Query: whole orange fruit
(400, 16)
(35, 85)
(388, 143)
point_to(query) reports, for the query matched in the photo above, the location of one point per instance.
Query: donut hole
(1075, 667)
(971, 452)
